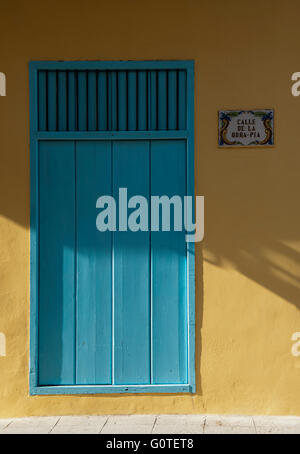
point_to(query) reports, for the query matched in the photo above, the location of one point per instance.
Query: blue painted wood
(34, 215)
(92, 100)
(112, 389)
(132, 91)
(62, 100)
(90, 136)
(153, 100)
(122, 101)
(113, 65)
(172, 99)
(191, 246)
(94, 265)
(42, 100)
(72, 101)
(156, 101)
(162, 100)
(118, 135)
(113, 105)
(102, 101)
(142, 100)
(82, 100)
(56, 266)
(168, 252)
(182, 97)
(52, 100)
(131, 304)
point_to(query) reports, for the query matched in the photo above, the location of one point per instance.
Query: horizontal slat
(112, 65)
(116, 135)
(101, 389)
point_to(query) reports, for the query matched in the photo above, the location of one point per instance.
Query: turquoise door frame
(150, 131)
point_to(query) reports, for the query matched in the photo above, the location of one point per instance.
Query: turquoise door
(112, 310)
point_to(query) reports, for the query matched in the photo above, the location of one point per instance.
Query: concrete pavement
(152, 424)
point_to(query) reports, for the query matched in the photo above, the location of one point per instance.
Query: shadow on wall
(252, 218)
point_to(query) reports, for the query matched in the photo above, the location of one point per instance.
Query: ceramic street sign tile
(246, 128)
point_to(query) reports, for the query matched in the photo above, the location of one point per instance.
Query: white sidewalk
(152, 424)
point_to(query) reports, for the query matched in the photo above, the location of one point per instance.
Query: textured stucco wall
(248, 267)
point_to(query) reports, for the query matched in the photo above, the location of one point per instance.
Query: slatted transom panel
(112, 100)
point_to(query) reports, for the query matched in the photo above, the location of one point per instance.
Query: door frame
(35, 138)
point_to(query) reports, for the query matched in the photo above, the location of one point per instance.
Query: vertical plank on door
(82, 100)
(122, 100)
(62, 100)
(131, 271)
(113, 100)
(94, 265)
(162, 100)
(168, 249)
(182, 99)
(72, 101)
(92, 100)
(102, 101)
(56, 266)
(132, 91)
(172, 100)
(153, 100)
(42, 97)
(142, 100)
(52, 100)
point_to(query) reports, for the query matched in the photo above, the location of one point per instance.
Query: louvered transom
(130, 100)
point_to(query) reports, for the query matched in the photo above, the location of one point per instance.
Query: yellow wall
(248, 267)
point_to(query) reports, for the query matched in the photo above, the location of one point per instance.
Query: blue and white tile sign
(246, 128)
